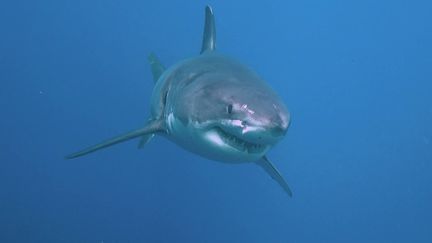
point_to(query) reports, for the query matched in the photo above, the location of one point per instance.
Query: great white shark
(213, 106)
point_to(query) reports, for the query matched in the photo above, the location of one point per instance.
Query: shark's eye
(229, 109)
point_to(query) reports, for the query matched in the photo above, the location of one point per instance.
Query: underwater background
(355, 75)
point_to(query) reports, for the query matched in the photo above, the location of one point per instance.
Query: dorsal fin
(156, 66)
(209, 35)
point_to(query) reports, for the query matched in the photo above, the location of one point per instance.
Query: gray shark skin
(213, 106)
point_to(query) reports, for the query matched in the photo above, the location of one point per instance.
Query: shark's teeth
(240, 144)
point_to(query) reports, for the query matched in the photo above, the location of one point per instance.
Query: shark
(213, 106)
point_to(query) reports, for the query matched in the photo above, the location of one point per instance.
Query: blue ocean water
(356, 76)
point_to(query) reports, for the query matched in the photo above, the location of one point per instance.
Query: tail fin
(156, 66)
(149, 129)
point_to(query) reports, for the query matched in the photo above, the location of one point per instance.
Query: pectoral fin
(274, 173)
(150, 128)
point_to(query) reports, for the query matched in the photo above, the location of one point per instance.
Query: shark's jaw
(238, 143)
(215, 140)
(230, 146)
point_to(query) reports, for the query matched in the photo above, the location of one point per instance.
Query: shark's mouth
(239, 143)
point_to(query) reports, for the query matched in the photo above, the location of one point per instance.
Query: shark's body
(213, 106)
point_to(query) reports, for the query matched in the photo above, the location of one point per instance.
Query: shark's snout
(281, 125)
